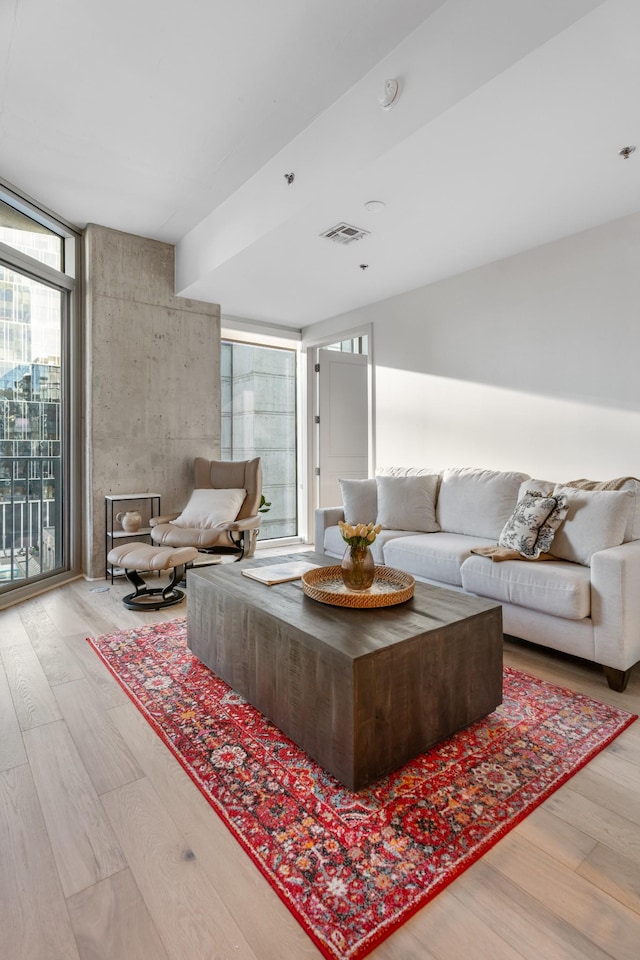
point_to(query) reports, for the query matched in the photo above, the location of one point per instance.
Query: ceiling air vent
(344, 233)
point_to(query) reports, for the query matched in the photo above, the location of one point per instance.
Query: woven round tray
(390, 586)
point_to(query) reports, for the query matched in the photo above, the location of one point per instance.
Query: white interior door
(343, 430)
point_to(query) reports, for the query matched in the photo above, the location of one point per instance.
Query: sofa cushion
(406, 471)
(596, 520)
(559, 589)
(335, 546)
(360, 500)
(533, 523)
(477, 502)
(632, 531)
(408, 503)
(432, 556)
(621, 483)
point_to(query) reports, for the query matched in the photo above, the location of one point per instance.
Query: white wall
(531, 362)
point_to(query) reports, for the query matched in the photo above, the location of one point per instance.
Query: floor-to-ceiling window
(259, 419)
(37, 263)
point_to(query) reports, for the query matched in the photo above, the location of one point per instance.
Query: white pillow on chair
(208, 508)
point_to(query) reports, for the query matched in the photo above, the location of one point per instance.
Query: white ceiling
(178, 119)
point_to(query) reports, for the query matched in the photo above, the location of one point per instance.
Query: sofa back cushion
(360, 500)
(406, 471)
(595, 520)
(477, 502)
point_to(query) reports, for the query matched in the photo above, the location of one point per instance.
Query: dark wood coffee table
(360, 690)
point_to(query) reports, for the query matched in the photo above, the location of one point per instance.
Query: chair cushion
(557, 588)
(208, 508)
(168, 535)
(144, 556)
(432, 556)
(231, 475)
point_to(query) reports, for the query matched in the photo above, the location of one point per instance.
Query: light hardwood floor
(108, 851)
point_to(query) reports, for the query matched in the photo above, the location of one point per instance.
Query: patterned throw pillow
(533, 523)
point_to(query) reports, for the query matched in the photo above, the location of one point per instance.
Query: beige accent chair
(222, 511)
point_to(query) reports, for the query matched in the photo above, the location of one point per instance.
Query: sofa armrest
(615, 605)
(325, 517)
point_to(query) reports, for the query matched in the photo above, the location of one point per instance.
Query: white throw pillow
(360, 500)
(531, 527)
(207, 508)
(408, 503)
(477, 502)
(596, 520)
(623, 483)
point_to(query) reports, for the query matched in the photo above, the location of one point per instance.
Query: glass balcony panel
(31, 541)
(259, 420)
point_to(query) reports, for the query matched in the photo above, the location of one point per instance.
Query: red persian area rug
(352, 867)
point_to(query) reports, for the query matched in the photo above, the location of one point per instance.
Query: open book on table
(279, 572)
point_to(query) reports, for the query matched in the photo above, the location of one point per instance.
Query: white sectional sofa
(581, 597)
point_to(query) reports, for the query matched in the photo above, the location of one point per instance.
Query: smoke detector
(388, 94)
(344, 233)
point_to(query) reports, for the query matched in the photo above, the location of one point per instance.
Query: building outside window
(259, 420)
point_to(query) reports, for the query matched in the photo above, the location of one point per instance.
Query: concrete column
(152, 379)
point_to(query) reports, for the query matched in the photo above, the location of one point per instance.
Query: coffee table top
(351, 632)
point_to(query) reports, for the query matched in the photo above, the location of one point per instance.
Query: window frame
(68, 284)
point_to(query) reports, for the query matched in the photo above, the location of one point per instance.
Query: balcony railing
(30, 517)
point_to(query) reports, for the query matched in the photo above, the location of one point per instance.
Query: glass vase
(358, 568)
